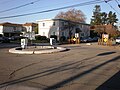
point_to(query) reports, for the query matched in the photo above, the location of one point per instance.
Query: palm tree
(103, 18)
(112, 18)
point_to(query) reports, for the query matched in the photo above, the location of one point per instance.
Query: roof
(63, 20)
(71, 21)
(9, 24)
(30, 24)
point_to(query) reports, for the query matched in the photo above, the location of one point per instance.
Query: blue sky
(42, 5)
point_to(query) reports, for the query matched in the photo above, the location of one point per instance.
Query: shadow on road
(8, 45)
(106, 53)
(62, 83)
(60, 68)
(111, 84)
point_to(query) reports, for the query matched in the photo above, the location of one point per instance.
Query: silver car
(118, 40)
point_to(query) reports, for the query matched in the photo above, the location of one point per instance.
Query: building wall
(1, 29)
(11, 29)
(85, 31)
(28, 28)
(60, 28)
(44, 27)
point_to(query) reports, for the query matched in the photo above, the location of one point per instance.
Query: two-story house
(10, 29)
(61, 27)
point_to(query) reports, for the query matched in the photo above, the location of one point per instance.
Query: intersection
(82, 67)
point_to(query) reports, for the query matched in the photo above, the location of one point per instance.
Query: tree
(72, 15)
(101, 19)
(112, 18)
(96, 18)
(36, 30)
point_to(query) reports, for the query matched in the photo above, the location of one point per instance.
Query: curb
(18, 50)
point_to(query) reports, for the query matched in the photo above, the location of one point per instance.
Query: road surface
(82, 67)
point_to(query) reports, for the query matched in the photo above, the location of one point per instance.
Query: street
(82, 67)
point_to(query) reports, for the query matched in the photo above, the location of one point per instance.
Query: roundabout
(37, 50)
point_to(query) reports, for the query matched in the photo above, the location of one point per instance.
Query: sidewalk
(95, 44)
(105, 46)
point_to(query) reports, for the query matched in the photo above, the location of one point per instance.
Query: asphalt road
(82, 67)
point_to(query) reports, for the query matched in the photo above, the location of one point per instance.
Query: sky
(43, 5)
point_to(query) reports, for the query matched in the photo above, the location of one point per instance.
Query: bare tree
(72, 15)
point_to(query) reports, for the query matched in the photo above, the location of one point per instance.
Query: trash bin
(24, 43)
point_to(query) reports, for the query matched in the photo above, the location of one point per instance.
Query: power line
(113, 8)
(117, 3)
(48, 6)
(30, 3)
(55, 9)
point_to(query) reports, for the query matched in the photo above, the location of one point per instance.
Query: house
(61, 27)
(29, 27)
(10, 29)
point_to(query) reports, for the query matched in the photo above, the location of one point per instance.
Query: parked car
(5, 40)
(118, 40)
(95, 39)
(1, 39)
(83, 40)
(89, 39)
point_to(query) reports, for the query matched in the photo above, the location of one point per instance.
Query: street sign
(76, 35)
(105, 37)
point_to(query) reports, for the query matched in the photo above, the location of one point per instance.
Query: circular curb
(18, 50)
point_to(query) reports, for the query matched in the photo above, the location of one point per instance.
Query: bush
(62, 38)
(53, 36)
(41, 38)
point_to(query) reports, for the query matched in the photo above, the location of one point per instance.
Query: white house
(61, 27)
(10, 29)
(29, 27)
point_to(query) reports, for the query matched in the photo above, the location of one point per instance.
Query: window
(43, 33)
(14, 28)
(62, 33)
(82, 34)
(62, 23)
(53, 33)
(81, 26)
(53, 23)
(43, 24)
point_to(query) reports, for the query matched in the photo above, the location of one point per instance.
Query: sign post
(77, 38)
(105, 38)
(24, 43)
